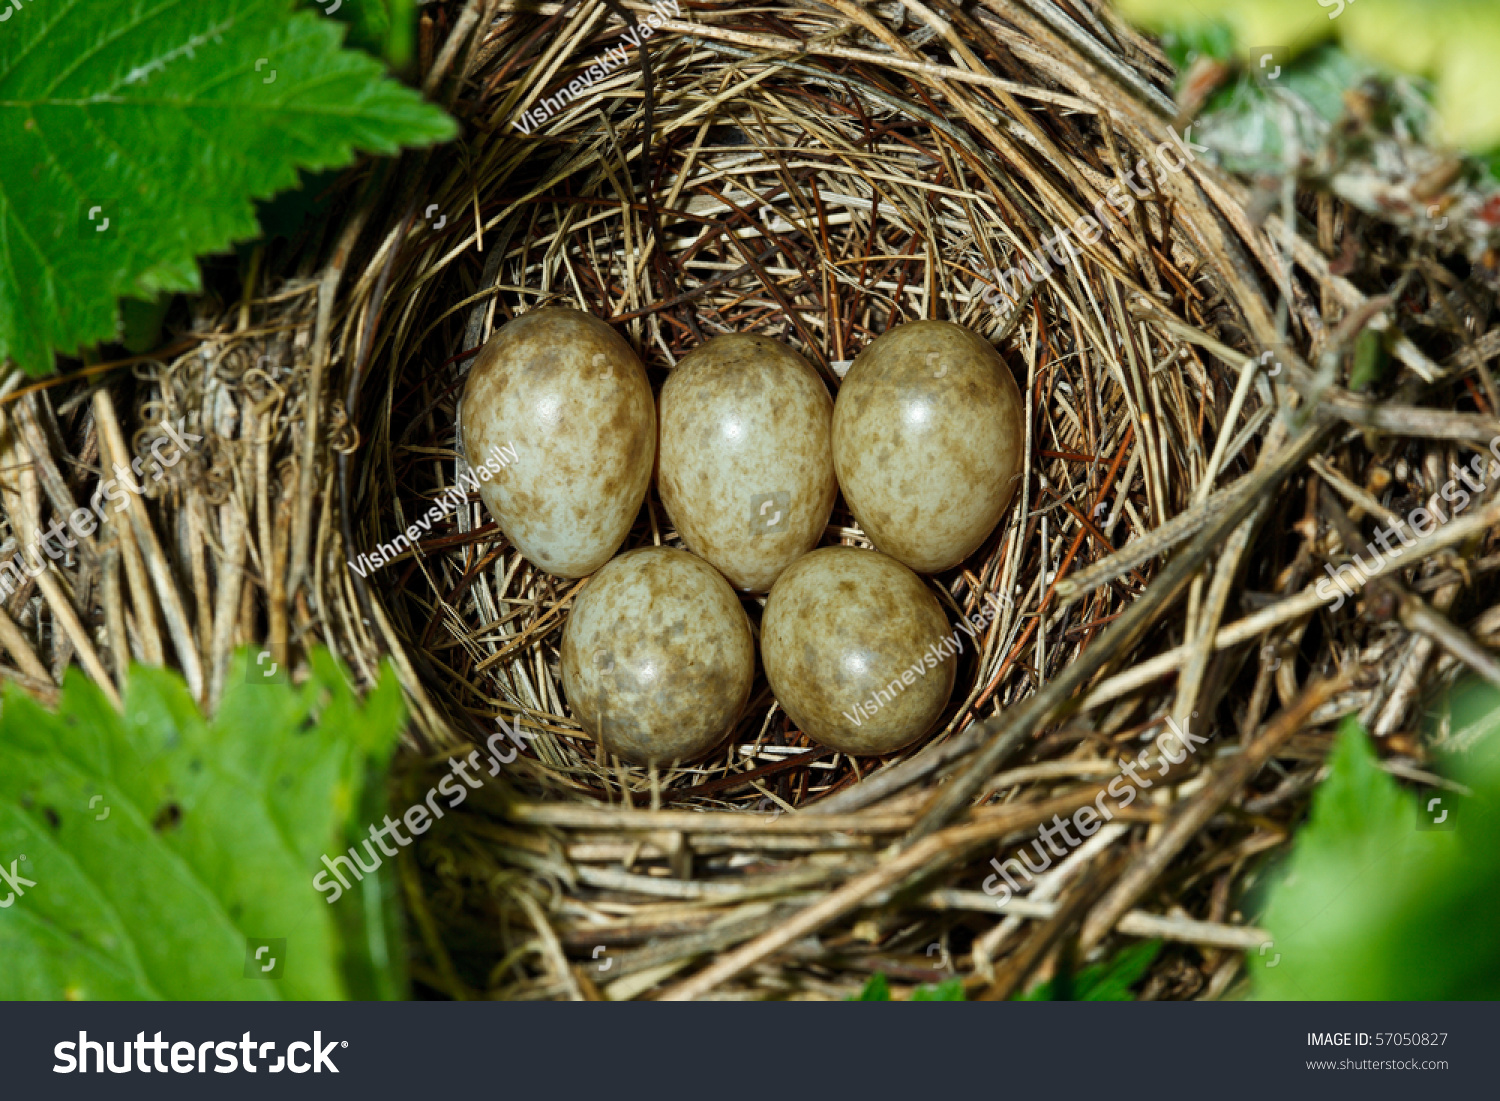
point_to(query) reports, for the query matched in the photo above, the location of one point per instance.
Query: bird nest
(818, 173)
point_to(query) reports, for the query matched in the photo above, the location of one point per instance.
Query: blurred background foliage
(1451, 43)
(1390, 894)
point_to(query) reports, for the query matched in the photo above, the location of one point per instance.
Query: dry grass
(816, 173)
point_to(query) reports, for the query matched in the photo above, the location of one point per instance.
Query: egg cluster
(749, 452)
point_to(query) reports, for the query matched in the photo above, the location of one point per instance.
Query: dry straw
(816, 173)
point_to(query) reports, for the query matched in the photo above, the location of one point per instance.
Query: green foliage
(877, 989)
(949, 990)
(1372, 905)
(1248, 128)
(1370, 360)
(1103, 982)
(159, 844)
(166, 120)
(1469, 717)
(1454, 43)
(383, 27)
(1184, 43)
(141, 322)
(369, 20)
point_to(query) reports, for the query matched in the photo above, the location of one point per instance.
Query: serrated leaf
(1453, 43)
(160, 845)
(135, 133)
(1373, 907)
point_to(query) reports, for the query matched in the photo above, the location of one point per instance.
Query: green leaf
(383, 27)
(1453, 43)
(1247, 126)
(1113, 983)
(369, 20)
(141, 322)
(1491, 160)
(877, 989)
(401, 43)
(1369, 360)
(157, 119)
(1469, 718)
(1379, 902)
(1185, 42)
(949, 990)
(1291, 23)
(1102, 982)
(160, 846)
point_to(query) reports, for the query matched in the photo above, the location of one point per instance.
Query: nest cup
(814, 207)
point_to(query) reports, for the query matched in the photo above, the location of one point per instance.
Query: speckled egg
(569, 399)
(657, 656)
(745, 463)
(928, 438)
(858, 650)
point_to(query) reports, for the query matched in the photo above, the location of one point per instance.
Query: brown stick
(112, 444)
(1030, 716)
(16, 645)
(1145, 869)
(1010, 976)
(930, 853)
(136, 580)
(68, 620)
